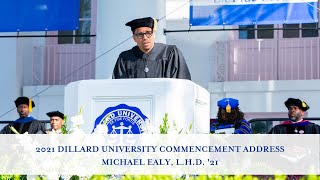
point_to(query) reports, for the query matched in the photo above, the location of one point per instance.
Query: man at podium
(149, 59)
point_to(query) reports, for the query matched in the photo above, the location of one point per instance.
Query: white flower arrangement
(147, 127)
(77, 121)
(101, 129)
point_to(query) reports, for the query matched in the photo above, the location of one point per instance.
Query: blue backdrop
(39, 15)
(249, 14)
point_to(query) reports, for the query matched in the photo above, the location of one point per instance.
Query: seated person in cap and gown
(56, 122)
(231, 117)
(296, 124)
(149, 59)
(25, 123)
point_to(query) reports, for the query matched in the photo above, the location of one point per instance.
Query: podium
(123, 104)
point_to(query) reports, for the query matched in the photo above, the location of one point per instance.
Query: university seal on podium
(122, 119)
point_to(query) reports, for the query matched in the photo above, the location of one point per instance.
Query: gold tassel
(30, 105)
(155, 22)
(14, 130)
(304, 104)
(228, 108)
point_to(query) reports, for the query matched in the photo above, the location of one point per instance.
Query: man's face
(56, 122)
(144, 37)
(23, 110)
(295, 113)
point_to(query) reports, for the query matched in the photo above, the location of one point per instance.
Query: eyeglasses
(141, 35)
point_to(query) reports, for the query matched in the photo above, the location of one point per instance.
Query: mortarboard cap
(143, 22)
(228, 104)
(55, 113)
(24, 100)
(297, 102)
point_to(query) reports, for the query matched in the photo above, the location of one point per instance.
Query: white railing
(268, 59)
(62, 64)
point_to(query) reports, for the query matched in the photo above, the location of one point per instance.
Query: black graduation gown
(304, 127)
(32, 127)
(163, 61)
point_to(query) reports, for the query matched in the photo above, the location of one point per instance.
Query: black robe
(163, 61)
(31, 125)
(304, 127)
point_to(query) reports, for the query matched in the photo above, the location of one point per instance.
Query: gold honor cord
(30, 105)
(155, 24)
(14, 130)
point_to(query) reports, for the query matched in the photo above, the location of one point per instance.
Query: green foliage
(190, 127)
(20, 177)
(13, 177)
(64, 126)
(100, 177)
(81, 109)
(280, 177)
(312, 177)
(6, 177)
(148, 177)
(165, 126)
